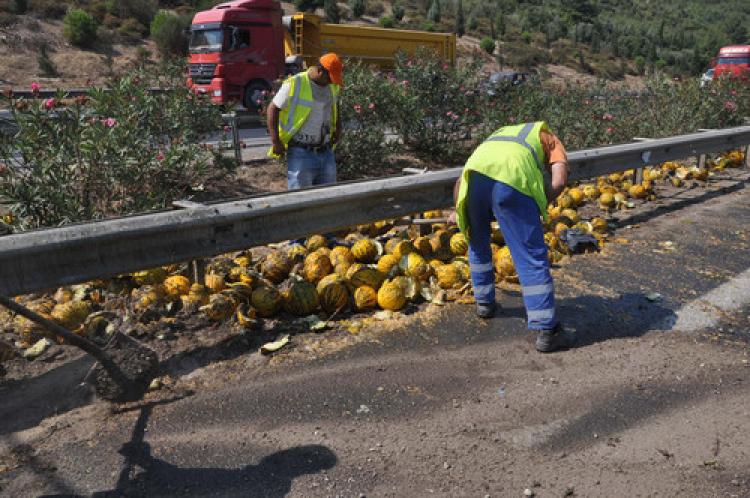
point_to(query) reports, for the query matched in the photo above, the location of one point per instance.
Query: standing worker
(503, 177)
(303, 118)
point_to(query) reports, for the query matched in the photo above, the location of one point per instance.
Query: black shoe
(486, 310)
(551, 340)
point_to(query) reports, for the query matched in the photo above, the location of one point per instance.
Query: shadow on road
(272, 477)
(598, 318)
(27, 402)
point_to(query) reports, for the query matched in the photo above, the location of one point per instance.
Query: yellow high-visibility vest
(294, 115)
(512, 155)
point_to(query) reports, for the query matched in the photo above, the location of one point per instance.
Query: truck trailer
(239, 48)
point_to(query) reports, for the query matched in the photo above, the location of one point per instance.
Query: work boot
(551, 340)
(486, 310)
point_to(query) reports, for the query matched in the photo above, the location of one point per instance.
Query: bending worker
(503, 177)
(303, 118)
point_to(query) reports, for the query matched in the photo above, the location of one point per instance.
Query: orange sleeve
(554, 150)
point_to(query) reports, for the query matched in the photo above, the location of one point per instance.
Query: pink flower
(607, 117)
(160, 157)
(371, 106)
(110, 122)
(50, 104)
(610, 130)
(35, 87)
(227, 129)
(357, 108)
(729, 105)
(405, 83)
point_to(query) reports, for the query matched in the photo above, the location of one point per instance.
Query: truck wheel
(253, 97)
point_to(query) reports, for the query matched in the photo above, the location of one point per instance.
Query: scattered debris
(271, 347)
(37, 349)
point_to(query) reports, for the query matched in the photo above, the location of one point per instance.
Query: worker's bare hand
(452, 218)
(278, 148)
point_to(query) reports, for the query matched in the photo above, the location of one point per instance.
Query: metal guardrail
(46, 259)
(69, 92)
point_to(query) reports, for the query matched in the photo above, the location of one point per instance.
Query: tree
(434, 13)
(331, 8)
(79, 28)
(168, 31)
(307, 5)
(736, 30)
(398, 11)
(487, 44)
(460, 28)
(358, 7)
(473, 22)
(500, 24)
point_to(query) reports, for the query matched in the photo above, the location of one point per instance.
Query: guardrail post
(639, 171)
(231, 120)
(422, 229)
(197, 266)
(747, 156)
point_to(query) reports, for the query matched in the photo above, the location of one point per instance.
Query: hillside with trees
(604, 38)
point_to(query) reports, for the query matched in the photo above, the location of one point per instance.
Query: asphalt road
(654, 400)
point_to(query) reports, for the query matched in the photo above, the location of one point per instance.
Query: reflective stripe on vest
(521, 140)
(296, 100)
(293, 116)
(521, 169)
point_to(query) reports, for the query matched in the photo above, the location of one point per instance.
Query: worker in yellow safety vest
(303, 123)
(504, 178)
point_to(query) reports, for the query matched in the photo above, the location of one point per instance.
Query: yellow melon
(219, 308)
(341, 254)
(414, 265)
(71, 315)
(386, 263)
(301, 298)
(448, 275)
(637, 192)
(576, 195)
(150, 277)
(606, 200)
(297, 252)
(365, 251)
(359, 275)
(267, 300)
(176, 286)
(333, 296)
(317, 266)
(391, 296)
(422, 246)
(276, 267)
(365, 298)
(315, 242)
(458, 244)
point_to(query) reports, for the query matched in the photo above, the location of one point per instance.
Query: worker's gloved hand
(278, 148)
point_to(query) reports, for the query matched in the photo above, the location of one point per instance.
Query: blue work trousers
(518, 217)
(305, 168)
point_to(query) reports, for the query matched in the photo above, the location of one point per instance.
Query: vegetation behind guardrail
(111, 152)
(441, 113)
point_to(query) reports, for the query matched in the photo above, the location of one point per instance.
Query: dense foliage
(440, 113)
(117, 151)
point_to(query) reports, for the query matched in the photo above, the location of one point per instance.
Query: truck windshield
(734, 60)
(206, 40)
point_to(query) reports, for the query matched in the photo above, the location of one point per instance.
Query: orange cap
(335, 68)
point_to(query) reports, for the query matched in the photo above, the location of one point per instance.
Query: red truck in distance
(732, 61)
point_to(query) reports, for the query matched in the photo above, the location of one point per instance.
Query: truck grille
(202, 74)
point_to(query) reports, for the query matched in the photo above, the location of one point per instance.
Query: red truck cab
(733, 61)
(236, 51)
